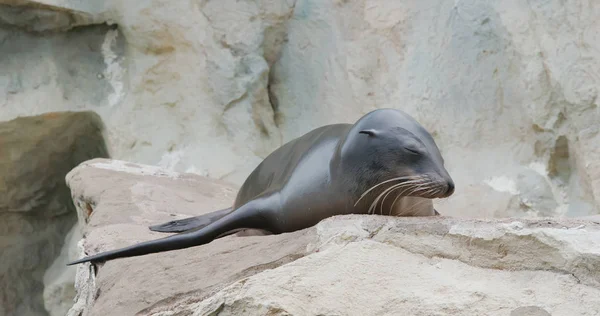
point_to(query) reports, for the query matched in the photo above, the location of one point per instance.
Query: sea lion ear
(370, 132)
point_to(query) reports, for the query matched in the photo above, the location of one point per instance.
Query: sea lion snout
(450, 189)
(433, 185)
(447, 185)
(441, 176)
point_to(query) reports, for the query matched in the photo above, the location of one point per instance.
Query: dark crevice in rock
(273, 101)
(275, 40)
(559, 165)
(277, 37)
(36, 209)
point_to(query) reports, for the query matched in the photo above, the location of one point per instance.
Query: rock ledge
(345, 265)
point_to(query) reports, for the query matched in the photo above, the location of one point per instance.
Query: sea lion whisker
(422, 187)
(409, 179)
(402, 194)
(414, 189)
(387, 181)
(417, 187)
(394, 202)
(441, 189)
(427, 189)
(373, 205)
(396, 199)
(390, 191)
(405, 185)
(376, 200)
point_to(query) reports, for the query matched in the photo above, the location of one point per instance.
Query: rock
(36, 209)
(528, 194)
(213, 87)
(361, 265)
(529, 311)
(59, 279)
(593, 218)
(39, 17)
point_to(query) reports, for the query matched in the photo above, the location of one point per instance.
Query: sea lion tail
(190, 223)
(245, 217)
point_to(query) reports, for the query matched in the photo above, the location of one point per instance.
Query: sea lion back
(277, 168)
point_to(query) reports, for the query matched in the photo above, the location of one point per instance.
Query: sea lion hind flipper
(248, 216)
(190, 223)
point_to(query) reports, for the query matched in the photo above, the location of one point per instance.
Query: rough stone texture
(509, 89)
(345, 265)
(36, 209)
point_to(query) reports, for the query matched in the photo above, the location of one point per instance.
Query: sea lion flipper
(250, 215)
(190, 223)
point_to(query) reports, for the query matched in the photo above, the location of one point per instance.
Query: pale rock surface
(509, 89)
(345, 265)
(36, 209)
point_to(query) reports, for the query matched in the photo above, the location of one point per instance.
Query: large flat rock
(345, 265)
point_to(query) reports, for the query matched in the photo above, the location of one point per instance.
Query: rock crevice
(36, 210)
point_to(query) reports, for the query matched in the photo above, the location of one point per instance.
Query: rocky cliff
(508, 88)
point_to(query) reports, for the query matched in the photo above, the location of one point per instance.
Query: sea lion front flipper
(190, 223)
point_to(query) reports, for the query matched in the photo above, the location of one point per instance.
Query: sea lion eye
(412, 150)
(370, 132)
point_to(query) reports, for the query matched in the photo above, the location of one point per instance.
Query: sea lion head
(387, 148)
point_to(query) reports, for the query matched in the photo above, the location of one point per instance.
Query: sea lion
(385, 163)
